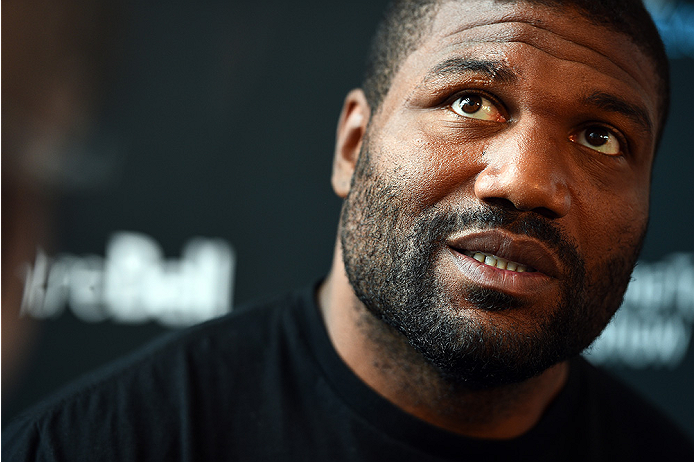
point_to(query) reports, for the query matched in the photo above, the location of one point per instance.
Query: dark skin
(530, 108)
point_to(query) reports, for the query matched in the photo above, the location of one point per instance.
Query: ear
(350, 135)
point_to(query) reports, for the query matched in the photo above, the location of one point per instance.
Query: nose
(525, 171)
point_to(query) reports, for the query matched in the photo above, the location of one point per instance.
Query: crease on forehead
(505, 24)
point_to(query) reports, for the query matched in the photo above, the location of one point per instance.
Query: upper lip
(518, 248)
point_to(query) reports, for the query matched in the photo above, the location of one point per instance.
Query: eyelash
(621, 139)
(448, 101)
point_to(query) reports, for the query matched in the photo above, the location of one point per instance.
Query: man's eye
(476, 107)
(600, 139)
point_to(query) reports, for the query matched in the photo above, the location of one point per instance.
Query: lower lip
(510, 282)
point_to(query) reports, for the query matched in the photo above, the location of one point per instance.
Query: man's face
(520, 136)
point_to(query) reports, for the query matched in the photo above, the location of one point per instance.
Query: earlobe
(350, 135)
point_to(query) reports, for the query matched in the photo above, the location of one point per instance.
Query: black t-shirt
(265, 384)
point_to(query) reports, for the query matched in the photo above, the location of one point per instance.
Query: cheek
(610, 203)
(614, 224)
(429, 167)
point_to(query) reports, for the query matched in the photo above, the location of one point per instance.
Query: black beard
(389, 259)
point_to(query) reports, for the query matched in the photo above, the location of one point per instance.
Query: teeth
(498, 262)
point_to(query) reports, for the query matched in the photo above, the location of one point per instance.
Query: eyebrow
(502, 73)
(492, 69)
(611, 103)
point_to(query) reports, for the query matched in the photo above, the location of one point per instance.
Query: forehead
(532, 39)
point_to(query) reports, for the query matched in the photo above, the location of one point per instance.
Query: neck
(385, 361)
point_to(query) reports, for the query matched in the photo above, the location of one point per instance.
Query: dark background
(217, 119)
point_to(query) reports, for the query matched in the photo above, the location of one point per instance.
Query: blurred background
(165, 161)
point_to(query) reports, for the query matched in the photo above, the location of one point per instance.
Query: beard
(471, 335)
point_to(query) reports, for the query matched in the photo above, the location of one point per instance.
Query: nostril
(545, 212)
(500, 202)
(507, 204)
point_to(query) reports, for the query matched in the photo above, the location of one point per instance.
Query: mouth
(498, 262)
(507, 253)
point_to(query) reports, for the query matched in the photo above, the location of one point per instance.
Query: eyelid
(448, 102)
(624, 145)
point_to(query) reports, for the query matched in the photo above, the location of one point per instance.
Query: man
(495, 172)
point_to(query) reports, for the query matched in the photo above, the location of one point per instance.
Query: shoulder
(617, 420)
(153, 393)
